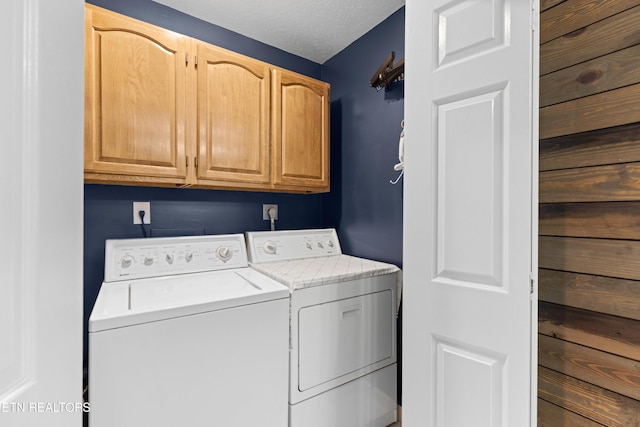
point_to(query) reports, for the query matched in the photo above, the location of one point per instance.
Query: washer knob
(270, 247)
(330, 243)
(169, 258)
(309, 245)
(224, 253)
(319, 244)
(126, 261)
(188, 256)
(148, 260)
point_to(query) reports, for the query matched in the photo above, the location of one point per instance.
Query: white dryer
(342, 349)
(183, 333)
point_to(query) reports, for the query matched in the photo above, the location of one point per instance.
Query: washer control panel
(265, 246)
(128, 259)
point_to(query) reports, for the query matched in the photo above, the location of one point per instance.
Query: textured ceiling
(312, 29)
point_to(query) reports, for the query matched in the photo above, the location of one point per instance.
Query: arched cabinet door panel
(300, 131)
(233, 116)
(134, 97)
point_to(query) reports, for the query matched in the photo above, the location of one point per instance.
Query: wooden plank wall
(589, 310)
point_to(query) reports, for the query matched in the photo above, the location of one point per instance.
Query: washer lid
(127, 303)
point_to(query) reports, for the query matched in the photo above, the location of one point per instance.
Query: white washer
(342, 346)
(183, 333)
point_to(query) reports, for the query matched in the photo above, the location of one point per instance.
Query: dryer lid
(325, 270)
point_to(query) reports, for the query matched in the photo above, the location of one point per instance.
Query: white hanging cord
(400, 165)
(395, 181)
(272, 217)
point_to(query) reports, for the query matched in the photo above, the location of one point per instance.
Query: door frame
(41, 251)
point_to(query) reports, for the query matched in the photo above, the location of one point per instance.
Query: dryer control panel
(127, 259)
(266, 246)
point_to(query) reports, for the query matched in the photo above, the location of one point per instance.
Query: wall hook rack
(388, 73)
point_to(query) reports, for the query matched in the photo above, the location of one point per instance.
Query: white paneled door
(470, 245)
(41, 111)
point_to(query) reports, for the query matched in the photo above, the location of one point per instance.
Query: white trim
(535, 99)
(41, 249)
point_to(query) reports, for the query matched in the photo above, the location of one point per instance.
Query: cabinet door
(134, 98)
(300, 126)
(233, 117)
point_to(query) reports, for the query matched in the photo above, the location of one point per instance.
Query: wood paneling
(591, 184)
(589, 217)
(575, 14)
(605, 73)
(605, 146)
(610, 220)
(614, 258)
(588, 328)
(608, 295)
(550, 415)
(590, 401)
(608, 109)
(547, 4)
(609, 371)
(603, 37)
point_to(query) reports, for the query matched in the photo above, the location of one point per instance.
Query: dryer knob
(188, 256)
(148, 260)
(319, 244)
(330, 243)
(169, 258)
(270, 247)
(309, 245)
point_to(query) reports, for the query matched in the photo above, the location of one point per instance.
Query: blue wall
(365, 128)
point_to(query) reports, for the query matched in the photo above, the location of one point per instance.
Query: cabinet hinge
(187, 159)
(195, 162)
(186, 58)
(195, 61)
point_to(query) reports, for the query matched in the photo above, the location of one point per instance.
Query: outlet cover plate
(265, 210)
(142, 206)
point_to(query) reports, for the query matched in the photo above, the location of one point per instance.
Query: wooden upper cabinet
(165, 109)
(300, 131)
(233, 117)
(134, 98)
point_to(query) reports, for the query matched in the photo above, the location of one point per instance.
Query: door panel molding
(467, 28)
(462, 370)
(472, 167)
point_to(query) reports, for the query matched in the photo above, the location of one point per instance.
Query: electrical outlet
(265, 211)
(141, 206)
